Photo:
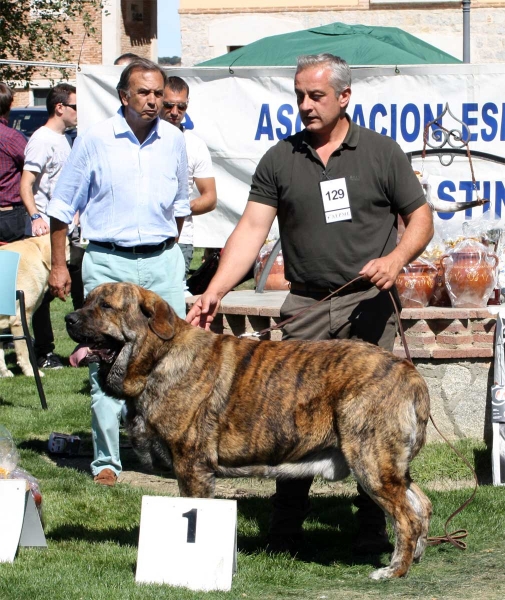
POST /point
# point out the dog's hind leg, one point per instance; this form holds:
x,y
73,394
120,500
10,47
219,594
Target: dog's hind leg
x,y
423,508
408,509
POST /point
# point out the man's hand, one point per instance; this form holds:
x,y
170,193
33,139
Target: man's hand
x,y
204,310
40,227
382,272
60,282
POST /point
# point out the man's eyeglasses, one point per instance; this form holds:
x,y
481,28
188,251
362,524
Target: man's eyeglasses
x,y
182,106
72,106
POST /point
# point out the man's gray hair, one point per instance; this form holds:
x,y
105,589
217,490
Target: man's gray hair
x,y
340,77
139,64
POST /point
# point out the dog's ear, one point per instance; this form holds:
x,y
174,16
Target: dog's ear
x,y
160,317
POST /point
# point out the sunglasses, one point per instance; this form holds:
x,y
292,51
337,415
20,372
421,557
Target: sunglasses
x,y
72,106
182,106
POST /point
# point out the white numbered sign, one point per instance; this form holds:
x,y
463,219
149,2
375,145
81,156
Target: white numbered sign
x,y
335,200
188,542
19,519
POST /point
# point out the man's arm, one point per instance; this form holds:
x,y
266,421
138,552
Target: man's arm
x,y
238,255
180,223
383,272
59,277
207,200
28,179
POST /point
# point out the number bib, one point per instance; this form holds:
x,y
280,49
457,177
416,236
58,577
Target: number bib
x,y
335,200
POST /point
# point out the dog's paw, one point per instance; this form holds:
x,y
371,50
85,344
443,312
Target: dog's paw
x,y
6,373
384,573
30,373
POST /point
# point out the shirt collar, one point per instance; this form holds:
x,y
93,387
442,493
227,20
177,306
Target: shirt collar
x,y
351,137
121,126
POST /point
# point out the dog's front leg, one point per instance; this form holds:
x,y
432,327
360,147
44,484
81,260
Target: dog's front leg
x,y
194,480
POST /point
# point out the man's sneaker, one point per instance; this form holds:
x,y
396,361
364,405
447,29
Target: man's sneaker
x,y
372,540
49,361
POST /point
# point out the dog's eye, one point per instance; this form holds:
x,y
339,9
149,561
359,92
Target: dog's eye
x,y
105,305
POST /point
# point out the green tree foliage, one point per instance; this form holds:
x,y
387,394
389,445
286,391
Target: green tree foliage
x,y
169,60
41,30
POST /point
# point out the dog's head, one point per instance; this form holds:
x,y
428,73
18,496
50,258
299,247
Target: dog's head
x,y
127,329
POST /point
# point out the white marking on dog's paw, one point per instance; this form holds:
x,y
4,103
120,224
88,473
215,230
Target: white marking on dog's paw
x,y
7,374
384,573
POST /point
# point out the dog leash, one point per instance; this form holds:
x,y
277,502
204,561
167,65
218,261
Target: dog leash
x,y
455,538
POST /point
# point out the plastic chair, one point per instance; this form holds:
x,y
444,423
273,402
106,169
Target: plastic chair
x,y
9,263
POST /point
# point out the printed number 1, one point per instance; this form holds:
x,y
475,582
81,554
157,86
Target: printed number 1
x,y
191,517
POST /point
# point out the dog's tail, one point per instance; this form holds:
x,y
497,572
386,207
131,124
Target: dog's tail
x,y
419,410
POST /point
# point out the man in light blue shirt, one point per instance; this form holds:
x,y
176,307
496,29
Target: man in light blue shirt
x,y
128,179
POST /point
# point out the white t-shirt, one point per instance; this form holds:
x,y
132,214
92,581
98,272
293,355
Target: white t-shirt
x,y
46,153
199,166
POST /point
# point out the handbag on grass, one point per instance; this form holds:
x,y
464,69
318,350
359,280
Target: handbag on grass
x,y
199,281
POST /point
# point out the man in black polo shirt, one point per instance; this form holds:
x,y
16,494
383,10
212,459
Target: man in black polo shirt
x,y
337,190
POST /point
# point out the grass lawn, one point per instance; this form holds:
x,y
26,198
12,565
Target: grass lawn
x,y
92,532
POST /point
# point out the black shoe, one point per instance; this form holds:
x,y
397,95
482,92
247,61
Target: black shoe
x,y
49,361
280,544
372,540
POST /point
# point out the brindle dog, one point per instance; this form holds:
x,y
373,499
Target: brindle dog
x,y
215,405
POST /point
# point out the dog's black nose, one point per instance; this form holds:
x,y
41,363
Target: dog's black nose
x,y
71,318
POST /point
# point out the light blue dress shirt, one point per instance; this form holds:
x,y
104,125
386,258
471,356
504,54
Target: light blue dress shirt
x,y
126,192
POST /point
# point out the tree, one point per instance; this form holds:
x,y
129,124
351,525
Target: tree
x,y
41,30
169,60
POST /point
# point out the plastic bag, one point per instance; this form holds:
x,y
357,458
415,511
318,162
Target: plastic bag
x,y
275,279
9,469
470,273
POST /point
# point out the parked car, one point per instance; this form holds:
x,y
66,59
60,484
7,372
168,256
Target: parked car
x,y
29,119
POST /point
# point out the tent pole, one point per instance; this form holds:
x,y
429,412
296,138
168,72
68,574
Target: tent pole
x,y
466,30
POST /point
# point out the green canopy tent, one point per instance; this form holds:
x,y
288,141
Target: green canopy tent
x,y
357,44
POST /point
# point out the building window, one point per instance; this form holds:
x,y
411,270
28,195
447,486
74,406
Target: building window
x,y
39,97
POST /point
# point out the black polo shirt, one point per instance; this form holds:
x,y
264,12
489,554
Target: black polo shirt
x,y
380,184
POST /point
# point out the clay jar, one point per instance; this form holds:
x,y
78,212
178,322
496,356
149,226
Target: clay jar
x,y
275,279
416,284
469,274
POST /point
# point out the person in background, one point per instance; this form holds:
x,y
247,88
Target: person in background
x,y
14,221
128,179
126,59
45,154
200,173
337,190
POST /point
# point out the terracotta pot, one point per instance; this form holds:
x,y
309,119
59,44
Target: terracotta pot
x,y
275,279
416,284
469,276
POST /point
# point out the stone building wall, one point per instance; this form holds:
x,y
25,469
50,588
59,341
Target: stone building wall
x,y
442,27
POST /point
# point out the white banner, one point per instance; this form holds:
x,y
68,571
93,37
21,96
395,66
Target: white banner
x,y
240,113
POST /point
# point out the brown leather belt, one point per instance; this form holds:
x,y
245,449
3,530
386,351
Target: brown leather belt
x,y
143,249
302,288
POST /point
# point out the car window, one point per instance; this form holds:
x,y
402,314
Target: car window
x,y
27,121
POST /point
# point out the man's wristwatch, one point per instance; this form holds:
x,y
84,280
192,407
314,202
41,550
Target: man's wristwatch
x,y
35,216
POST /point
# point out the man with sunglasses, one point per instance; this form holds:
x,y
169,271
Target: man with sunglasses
x,y
45,154
200,173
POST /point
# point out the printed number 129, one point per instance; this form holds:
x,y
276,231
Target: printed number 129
x,y
335,194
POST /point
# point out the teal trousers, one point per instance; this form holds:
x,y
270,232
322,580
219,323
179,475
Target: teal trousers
x,y
161,272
